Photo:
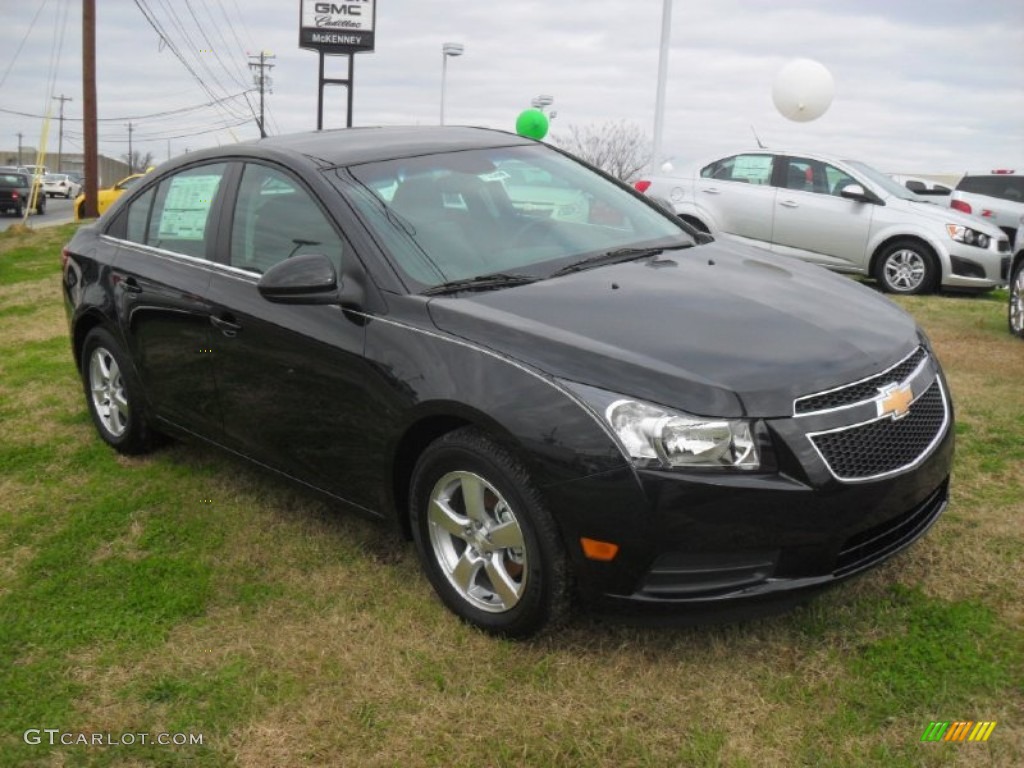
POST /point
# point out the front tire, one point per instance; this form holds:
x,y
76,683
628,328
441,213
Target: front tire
x,y
1015,314
908,267
113,395
486,541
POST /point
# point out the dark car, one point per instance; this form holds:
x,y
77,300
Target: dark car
x,y
607,408
16,192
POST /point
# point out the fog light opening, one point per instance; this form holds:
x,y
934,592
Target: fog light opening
x,y
604,551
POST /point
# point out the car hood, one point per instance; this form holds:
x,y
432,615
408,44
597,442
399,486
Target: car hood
x,y
721,329
945,215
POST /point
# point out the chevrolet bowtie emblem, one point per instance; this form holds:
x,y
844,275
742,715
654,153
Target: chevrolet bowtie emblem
x,y
894,400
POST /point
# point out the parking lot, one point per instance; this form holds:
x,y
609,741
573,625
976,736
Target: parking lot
x,y
58,211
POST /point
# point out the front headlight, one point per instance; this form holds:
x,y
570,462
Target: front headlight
x,y
969,236
655,436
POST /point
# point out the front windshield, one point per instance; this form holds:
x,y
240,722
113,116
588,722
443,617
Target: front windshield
x,y
522,210
887,183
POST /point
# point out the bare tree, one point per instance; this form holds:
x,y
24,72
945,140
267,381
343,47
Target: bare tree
x,y
620,148
137,161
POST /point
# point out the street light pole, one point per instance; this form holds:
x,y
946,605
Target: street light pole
x,y
659,102
448,49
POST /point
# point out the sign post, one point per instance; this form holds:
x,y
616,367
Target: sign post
x,y
337,29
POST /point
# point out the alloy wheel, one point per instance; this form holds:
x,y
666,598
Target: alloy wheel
x,y
905,270
108,392
477,541
1017,302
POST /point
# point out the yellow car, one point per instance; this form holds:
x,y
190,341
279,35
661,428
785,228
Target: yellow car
x,y
107,196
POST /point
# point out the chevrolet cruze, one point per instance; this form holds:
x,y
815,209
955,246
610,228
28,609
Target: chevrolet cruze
x,y
606,408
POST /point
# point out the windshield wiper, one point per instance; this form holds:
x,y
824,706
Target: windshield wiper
x,y
480,283
617,255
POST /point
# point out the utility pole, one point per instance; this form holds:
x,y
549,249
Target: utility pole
x,y
262,80
89,105
19,147
60,141
131,157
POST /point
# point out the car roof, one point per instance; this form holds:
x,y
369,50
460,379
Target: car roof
x,y
351,146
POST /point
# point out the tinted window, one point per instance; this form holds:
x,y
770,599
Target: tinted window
x,y
175,215
456,215
138,216
1003,187
13,180
751,169
275,219
808,175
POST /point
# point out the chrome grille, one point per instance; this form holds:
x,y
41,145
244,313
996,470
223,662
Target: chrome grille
x,y
861,390
885,445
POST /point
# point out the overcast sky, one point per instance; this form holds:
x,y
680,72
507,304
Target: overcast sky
x,y
920,85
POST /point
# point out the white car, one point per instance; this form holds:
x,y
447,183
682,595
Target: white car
x,y
60,185
997,197
840,214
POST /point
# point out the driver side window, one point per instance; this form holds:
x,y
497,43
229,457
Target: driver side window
x,y
276,219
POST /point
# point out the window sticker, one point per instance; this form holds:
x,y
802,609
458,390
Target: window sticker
x,y
187,206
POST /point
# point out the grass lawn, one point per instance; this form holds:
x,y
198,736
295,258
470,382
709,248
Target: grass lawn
x,y
185,593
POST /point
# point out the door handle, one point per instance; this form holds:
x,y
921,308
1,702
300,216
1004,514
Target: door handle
x,y
790,203
131,285
226,326
711,190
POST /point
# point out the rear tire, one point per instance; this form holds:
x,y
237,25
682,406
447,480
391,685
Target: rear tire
x,y
908,267
114,395
486,541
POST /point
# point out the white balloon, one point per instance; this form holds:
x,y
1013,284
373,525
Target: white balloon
x,y
803,90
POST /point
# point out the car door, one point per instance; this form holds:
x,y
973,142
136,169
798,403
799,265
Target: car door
x,y
161,273
813,221
737,194
292,378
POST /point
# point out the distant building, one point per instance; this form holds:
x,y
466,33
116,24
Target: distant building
x,y
110,170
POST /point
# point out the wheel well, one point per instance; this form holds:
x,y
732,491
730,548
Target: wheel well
x,y
873,266
82,328
413,443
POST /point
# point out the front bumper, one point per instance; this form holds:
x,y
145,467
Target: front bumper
x,y
970,267
694,545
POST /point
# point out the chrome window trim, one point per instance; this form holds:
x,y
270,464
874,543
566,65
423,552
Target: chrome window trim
x,y
206,264
939,435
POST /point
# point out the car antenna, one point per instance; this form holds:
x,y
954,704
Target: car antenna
x,y
757,139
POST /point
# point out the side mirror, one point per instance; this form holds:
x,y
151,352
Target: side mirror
x,y
306,279
858,194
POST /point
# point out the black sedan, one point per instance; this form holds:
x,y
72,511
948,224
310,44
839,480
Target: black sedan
x,y
577,399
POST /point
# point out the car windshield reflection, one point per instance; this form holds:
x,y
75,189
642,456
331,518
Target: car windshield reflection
x,y
460,215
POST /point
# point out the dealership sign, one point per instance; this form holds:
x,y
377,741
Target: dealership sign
x,y
338,27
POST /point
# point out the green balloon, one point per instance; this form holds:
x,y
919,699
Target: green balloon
x,y
532,123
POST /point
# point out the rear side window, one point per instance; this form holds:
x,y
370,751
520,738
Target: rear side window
x,y
751,169
1004,187
175,215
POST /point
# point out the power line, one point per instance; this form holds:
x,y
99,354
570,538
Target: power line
x,y
153,115
21,45
158,28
